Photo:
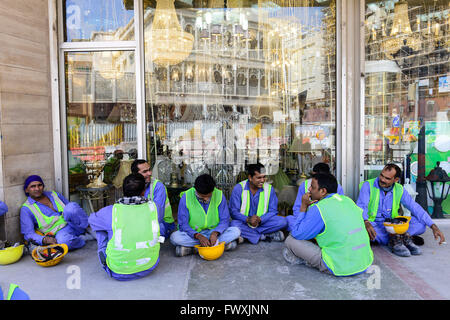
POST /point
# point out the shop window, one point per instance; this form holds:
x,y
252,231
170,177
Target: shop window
x,y
407,95
257,84
92,20
101,124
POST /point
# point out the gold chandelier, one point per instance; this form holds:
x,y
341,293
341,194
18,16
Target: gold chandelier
x,y
401,34
168,43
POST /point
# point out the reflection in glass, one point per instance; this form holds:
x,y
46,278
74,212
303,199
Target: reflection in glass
x,y
101,118
407,89
255,80
93,20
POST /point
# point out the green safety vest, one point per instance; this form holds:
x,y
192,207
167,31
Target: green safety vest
x,y
374,201
344,242
134,246
168,217
199,219
263,203
12,288
48,224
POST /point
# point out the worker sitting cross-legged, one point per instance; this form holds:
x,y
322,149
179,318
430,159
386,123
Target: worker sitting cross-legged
x,y
380,199
203,218
254,208
329,232
49,218
128,233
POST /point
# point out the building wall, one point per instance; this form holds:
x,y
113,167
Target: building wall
x,y
25,105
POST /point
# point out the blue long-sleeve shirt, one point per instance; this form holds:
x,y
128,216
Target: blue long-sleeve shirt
x,y
236,201
308,224
3,208
183,216
385,205
302,191
28,222
159,198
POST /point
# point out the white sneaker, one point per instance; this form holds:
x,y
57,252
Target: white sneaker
x,y
231,245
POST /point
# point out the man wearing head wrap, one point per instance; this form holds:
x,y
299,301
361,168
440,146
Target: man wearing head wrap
x,y
46,217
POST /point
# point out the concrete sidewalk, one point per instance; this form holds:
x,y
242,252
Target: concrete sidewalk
x,y
251,272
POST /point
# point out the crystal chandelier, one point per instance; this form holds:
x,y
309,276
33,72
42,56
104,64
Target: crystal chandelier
x,y
168,43
401,34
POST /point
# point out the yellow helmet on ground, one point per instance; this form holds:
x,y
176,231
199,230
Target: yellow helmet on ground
x,y
51,255
11,254
397,225
211,253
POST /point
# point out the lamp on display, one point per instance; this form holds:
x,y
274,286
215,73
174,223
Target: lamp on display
x,y
438,177
303,148
107,66
401,34
168,43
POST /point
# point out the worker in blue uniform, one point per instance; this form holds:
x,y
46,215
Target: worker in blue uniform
x,y
55,219
390,195
203,218
127,233
254,208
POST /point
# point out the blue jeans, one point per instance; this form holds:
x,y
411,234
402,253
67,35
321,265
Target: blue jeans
x,y
181,238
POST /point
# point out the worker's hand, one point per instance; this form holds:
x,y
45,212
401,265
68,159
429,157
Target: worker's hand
x,y
254,220
370,230
204,241
438,234
48,240
213,238
306,202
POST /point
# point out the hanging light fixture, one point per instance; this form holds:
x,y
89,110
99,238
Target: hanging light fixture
x,y
168,43
401,33
107,64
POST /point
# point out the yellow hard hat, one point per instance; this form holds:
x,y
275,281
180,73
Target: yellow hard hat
x,y
11,254
398,225
211,253
51,255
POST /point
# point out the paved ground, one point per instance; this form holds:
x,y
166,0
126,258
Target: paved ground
x,y
248,273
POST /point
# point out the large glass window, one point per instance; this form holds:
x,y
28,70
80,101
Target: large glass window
x,y
94,20
230,83
101,122
407,94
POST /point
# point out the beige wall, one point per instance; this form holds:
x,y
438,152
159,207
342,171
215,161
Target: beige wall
x,y
25,105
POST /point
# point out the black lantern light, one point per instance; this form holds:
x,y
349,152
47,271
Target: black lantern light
x,y
438,177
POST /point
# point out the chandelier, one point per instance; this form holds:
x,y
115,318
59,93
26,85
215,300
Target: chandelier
x,y
168,43
107,64
401,34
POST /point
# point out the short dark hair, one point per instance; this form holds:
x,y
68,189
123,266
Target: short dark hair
x,y
326,181
321,167
253,168
134,165
133,185
398,171
204,184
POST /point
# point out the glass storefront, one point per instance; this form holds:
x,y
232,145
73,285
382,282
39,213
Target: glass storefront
x,y
101,120
227,83
407,93
239,82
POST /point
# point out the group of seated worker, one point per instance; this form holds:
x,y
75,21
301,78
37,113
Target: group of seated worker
x,y
327,230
